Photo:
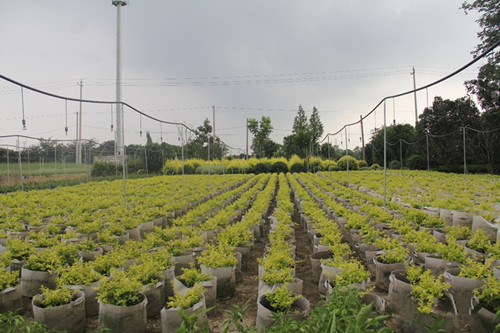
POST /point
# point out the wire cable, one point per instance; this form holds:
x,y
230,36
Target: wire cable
x,y
470,63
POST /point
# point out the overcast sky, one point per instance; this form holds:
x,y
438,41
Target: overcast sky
x,y
247,58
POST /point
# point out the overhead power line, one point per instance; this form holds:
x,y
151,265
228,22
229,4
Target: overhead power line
x,y
461,69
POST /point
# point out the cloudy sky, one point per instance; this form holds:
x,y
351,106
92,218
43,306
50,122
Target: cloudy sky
x,y
247,58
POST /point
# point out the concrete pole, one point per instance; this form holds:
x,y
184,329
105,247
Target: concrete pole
x,y
120,150
79,150
362,138
415,96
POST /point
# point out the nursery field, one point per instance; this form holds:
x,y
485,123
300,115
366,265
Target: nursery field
x,y
245,253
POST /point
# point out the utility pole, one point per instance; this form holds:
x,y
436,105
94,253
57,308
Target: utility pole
x,y
415,96
120,149
362,138
79,144
76,139
246,155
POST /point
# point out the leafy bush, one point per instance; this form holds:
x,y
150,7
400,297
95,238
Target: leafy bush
x,y
279,167
192,276
342,163
78,274
134,165
192,296
44,261
297,167
282,299
425,288
119,290
10,322
376,166
362,164
218,256
262,167
56,297
104,169
394,165
489,293
416,162
8,279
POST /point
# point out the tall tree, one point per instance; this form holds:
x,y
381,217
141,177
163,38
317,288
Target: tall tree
x,y
299,141
316,128
261,144
486,86
443,122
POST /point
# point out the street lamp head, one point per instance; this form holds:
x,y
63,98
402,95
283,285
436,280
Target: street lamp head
x,y
119,2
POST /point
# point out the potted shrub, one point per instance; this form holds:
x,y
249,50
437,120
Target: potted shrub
x,y
88,250
449,255
392,257
18,252
352,275
188,304
40,269
193,276
180,255
486,305
283,301
10,291
60,309
478,246
149,274
220,261
464,280
122,306
83,277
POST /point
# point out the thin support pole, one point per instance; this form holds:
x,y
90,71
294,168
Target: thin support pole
x,y
465,156
401,153
329,168
20,165
427,144
347,157
385,155
8,166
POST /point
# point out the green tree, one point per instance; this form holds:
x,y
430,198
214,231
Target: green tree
x,y
486,86
395,133
443,122
316,128
299,141
262,146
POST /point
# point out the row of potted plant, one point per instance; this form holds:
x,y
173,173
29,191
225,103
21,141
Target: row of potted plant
x,y
424,241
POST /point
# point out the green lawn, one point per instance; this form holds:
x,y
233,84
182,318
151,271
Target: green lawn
x,y
34,169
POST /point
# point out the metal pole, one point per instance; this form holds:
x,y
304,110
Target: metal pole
x,y
401,153
146,159
347,157
79,157
20,165
120,148
8,166
329,168
427,143
246,155
385,156
362,138
465,156
55,158
76,139
415,96
29,165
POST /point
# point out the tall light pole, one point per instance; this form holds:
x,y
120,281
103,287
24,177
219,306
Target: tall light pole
x,y
415,96
120,151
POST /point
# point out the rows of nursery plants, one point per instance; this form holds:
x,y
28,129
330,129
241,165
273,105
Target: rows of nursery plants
x,y
424,267
183,243
478,194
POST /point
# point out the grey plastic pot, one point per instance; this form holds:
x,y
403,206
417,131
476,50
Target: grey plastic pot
x,y
31,281
123,319
11,299
171,319
265,313
68,317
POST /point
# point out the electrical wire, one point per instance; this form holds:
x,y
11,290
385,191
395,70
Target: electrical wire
x,y
470,63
